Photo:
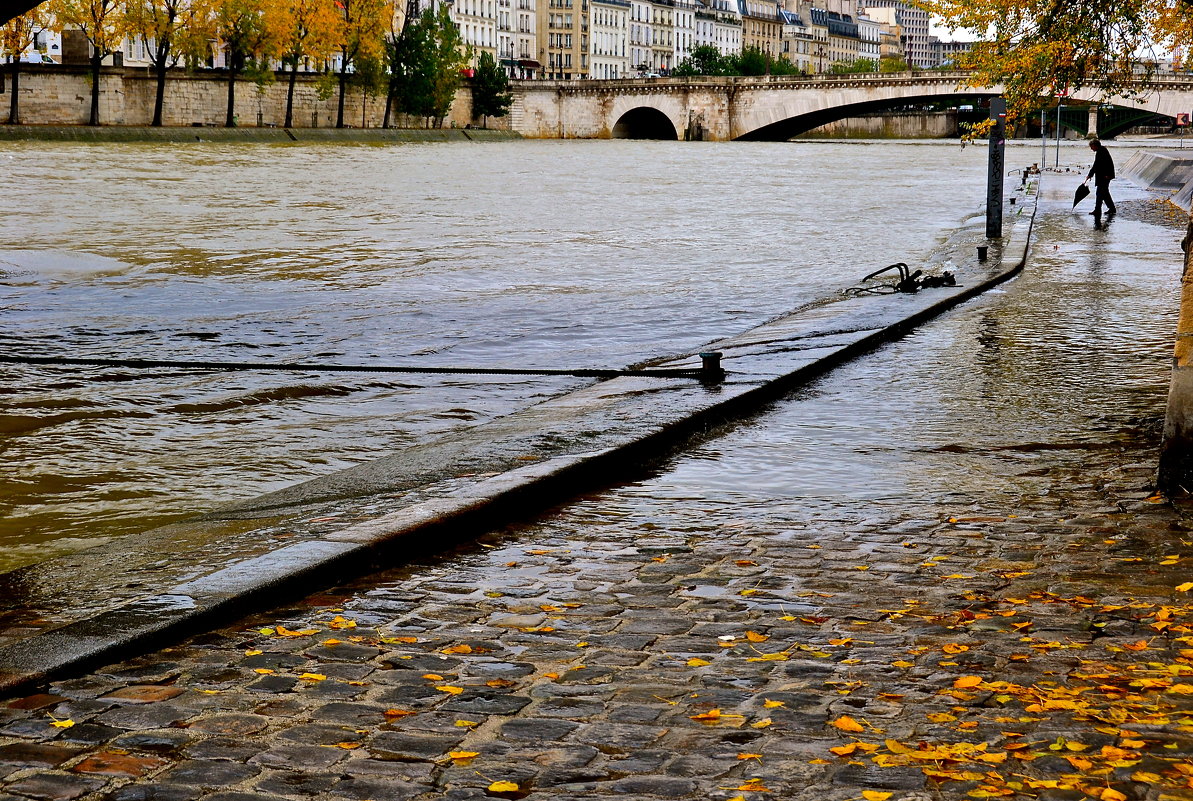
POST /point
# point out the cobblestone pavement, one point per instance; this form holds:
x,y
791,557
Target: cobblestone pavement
x,y
1026,638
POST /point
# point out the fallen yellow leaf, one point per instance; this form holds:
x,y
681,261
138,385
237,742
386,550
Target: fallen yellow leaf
x,y
874,795
846,723
447,688
503,787
968,681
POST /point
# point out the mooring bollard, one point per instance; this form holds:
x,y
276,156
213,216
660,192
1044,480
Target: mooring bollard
x,y
710,366
982,251
1012,201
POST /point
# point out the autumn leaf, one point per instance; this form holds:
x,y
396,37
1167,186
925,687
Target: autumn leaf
x,y
263,671
846,723
458,649
1188,585
285,632
312,676
397,714
348,746
432,677
769,704
968,681
500,683
63,724
874,795
463,757
762,724
744,756
503,787
754,636
253,652
955,648
695,662
466,724
450,689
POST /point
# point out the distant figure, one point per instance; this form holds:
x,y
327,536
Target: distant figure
x,y
1102,172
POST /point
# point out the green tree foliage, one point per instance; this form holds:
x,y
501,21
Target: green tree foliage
x,y
703,60
425,65
892,64
858,65
490,89
754,61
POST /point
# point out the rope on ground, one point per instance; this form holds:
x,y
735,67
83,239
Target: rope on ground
x,y
141,364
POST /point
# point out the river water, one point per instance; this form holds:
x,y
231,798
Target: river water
x,y
522,254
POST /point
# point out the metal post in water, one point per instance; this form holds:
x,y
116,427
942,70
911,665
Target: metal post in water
x,y
998,142
710,366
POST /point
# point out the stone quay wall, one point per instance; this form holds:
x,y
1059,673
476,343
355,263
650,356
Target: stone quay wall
x,y
61,95
891,125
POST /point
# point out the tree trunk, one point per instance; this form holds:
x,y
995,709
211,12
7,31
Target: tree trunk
x,y
343,87
290,96
14,111
230,119
389,104
159,99
95,60
1175,474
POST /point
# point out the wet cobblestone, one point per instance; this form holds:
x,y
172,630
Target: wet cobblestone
x,y
577,667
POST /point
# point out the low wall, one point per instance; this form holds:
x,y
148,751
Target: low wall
x,y
1162,171
892,125
61,95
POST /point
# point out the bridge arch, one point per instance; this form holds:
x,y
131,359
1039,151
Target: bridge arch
x,y
644,122
803,121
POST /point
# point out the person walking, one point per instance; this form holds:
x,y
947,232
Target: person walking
x,y
1102,172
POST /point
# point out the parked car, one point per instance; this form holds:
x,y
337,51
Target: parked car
x,y
38,58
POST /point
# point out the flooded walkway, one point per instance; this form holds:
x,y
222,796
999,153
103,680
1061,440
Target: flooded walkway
x,y
939,572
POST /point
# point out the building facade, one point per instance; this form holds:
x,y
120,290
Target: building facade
x,y
609,51
913,26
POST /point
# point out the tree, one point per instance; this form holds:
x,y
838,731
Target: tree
x,y
248,30
16,36
426,62
490,89
101,24
858,65
703,59
361,36
163,25
1036,47
892,64
309,30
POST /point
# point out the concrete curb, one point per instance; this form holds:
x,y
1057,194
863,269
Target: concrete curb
x,y
641,420
246,135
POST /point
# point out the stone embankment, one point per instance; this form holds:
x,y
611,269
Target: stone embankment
x,y
1163,171
144,133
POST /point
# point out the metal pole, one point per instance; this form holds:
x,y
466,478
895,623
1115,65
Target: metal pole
x,y
1059,102
1043,140
998,113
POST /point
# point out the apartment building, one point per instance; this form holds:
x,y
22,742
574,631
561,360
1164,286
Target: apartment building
x,y
869,39
761,26
913,25
718,24
640,35
517,42
609,51
477,21
662,40
563,38
685,30
795,45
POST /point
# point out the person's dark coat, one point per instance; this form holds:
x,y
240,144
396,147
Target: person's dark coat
x,y
1103,169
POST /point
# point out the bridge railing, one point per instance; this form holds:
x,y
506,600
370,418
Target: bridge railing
x,y
911,76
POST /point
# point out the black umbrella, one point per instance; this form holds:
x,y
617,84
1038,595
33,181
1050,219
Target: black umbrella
x,y
1080,194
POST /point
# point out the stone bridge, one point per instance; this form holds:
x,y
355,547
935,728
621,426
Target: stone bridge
x,y
770,107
